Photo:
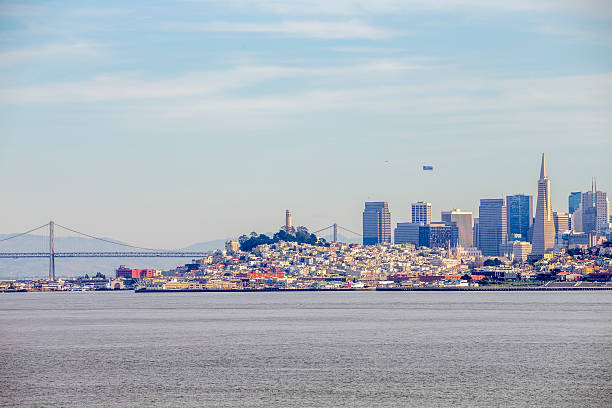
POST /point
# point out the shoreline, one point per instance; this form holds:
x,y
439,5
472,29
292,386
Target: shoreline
x,y
268,290
449,289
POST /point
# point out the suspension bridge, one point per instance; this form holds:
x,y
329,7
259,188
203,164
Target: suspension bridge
x,y
52,254
334,227
131,251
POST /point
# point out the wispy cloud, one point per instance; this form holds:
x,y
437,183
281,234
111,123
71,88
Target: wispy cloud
x,y
313,29
88,49
591,35
133,87
594,8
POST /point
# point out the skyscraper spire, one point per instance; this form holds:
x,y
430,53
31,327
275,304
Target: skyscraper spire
x,y
543,239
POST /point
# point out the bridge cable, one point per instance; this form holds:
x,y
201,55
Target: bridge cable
x,y
113,242
322,229
24,233
348,230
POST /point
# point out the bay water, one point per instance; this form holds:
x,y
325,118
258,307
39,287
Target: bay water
x,y
307,349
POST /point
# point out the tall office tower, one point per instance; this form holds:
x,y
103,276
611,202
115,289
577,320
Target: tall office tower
x,y
421,213
406,233
544,225
520,216
376,223
463,221
595,210
475,232
492,227
573,201
562,223
438,235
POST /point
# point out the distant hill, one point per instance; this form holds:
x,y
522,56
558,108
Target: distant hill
x,y
38,268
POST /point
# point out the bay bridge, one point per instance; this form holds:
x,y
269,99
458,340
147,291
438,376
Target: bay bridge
x,y
133,252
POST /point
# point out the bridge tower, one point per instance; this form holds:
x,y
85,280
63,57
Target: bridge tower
x,y
51,251
335,232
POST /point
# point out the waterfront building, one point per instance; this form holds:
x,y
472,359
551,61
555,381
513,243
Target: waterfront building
x,y
406,233
421,212
142,273
520,216
475,233
123,272
376,223
544,225
562,223
574,200
492,227
463,222
438,235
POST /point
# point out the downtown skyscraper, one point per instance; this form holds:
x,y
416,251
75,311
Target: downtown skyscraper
x,y
492,226
573,201
421,213
595,210
544,226
376,223
520,216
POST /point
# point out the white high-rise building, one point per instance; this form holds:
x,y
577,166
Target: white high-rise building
x,y
463,221
544,226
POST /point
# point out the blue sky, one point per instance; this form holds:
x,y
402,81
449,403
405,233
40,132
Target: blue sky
x,y
163,123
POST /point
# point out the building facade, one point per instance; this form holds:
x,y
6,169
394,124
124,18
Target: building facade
x,y
544,226
492,227
595,211
438,235
562,223
376,223
406,233
520,216
463,222
520,250
573,201
421,212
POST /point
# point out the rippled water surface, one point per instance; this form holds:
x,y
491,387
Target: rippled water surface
x,y
306,349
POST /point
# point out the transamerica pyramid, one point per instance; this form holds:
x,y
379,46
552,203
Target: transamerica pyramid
x,y
544,226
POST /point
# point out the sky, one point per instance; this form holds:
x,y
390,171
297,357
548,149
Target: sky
x,y
164,123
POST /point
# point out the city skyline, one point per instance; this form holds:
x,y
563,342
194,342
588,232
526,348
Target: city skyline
x,y
402,219
167,123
